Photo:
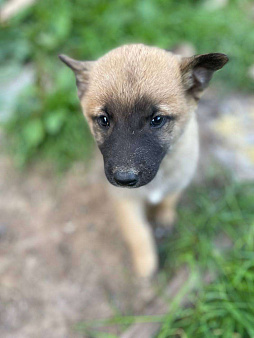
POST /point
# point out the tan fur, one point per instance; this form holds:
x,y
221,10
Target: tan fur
x,y
137,234
164,213
134,72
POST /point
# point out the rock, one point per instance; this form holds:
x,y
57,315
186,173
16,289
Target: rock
x,y
226,130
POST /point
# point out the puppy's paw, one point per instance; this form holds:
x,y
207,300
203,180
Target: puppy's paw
x,y
166,218
146,265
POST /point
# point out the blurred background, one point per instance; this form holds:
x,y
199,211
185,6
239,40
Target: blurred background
x,y
64,267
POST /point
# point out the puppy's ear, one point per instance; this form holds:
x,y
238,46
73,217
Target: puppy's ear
x,y
81,70
197,71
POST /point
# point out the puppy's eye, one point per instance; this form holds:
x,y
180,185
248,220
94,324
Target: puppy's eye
x,y
103,121
157,121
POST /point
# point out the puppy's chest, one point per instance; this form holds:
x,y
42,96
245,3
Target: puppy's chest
x,y
172,177
166,181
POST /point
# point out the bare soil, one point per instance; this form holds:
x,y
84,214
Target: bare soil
x,y
62,259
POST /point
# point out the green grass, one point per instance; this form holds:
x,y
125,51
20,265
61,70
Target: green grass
x,y
47,121
214,236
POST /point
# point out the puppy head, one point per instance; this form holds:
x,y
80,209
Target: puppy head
x,y
137,101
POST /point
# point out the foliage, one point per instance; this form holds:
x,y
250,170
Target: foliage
x,y
214,237
47,119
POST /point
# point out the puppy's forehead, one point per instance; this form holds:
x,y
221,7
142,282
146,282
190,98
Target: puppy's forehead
x,y
129,73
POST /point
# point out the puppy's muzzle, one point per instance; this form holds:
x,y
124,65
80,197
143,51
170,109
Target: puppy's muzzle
x,y
125,178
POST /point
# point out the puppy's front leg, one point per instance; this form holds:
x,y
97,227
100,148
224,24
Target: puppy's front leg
x,y
164,214
138,235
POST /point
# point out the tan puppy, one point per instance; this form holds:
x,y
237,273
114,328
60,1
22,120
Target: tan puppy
x,y
140,104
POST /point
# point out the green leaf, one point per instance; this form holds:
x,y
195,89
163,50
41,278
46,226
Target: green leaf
x,y
33,132
54,121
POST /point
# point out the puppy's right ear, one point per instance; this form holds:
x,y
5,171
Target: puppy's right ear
x,y
81,70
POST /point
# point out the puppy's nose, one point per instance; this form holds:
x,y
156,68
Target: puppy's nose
x,y
126,178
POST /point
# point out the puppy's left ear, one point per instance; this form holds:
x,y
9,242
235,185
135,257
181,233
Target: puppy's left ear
x,y
81,70
197,71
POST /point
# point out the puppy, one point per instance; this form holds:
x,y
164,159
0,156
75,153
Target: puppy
x,y
140,102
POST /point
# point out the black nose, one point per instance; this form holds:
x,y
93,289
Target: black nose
x,y
126,178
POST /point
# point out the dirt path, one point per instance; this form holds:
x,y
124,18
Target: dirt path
x,y
62,259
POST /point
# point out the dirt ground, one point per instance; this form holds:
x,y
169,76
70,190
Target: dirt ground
x,y
62,258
